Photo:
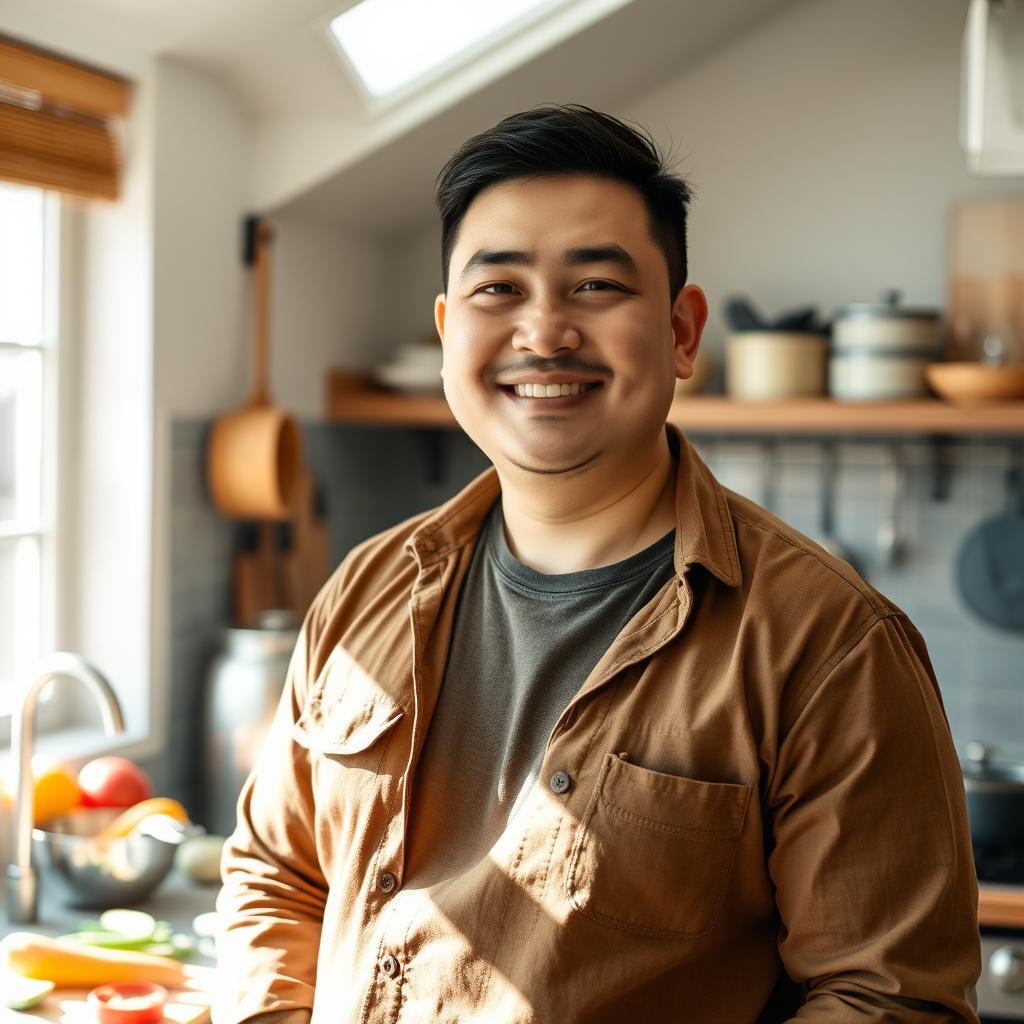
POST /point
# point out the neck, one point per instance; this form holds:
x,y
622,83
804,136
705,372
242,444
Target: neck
x,y
603,515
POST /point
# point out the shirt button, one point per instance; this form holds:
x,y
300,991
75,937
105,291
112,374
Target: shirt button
x,y
390,966
387,882
560,782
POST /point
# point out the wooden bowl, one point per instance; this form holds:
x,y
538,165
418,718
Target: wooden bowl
x,y
976,383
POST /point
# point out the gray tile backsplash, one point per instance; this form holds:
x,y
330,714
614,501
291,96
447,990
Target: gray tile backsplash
x,y
375,477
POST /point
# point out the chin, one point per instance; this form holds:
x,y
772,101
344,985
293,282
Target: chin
x,y
563,458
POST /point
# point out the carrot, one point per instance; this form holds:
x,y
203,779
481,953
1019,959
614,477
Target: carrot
x,y
72,964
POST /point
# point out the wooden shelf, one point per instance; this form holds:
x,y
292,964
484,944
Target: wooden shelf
x,y
1001,907
352,398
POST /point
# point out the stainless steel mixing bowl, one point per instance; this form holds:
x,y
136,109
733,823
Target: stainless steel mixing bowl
x,y
88,871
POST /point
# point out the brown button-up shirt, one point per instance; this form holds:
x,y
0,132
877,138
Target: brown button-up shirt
x,y
752,810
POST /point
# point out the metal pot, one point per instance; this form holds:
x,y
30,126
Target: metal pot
x,y
243,689
886,328
995,799
880,350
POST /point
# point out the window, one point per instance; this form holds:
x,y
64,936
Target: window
x,y
29,227
394,44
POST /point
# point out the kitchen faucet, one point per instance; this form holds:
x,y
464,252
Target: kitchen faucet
x,y
22,888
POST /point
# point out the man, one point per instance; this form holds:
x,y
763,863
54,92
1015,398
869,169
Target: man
x,y
597,740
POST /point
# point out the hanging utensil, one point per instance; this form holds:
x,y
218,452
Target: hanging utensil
x,y
255,454
829,541
990,562
769,473
892,544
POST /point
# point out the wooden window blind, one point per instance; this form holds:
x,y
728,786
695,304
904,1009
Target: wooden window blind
x,y
59,122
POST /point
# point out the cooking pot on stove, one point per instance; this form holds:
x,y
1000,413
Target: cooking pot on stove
x,y
995,799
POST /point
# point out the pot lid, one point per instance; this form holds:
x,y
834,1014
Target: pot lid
x,y
981,764
887,308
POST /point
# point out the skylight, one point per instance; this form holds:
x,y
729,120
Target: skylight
x,y
392,43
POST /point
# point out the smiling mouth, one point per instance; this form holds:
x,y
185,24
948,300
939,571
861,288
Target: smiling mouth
x,y
549,392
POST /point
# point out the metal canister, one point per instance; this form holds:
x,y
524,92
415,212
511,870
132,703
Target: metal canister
x,y
244,686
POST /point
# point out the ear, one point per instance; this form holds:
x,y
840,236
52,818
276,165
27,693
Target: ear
x,y
439,309
689,315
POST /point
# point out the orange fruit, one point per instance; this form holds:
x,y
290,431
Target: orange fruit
x,y
54,789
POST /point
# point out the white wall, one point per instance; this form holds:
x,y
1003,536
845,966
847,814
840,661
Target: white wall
x,y
419,267
200,166
333,295
824,150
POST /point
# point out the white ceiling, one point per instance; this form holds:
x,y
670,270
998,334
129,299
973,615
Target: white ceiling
x,y
605,65
274,57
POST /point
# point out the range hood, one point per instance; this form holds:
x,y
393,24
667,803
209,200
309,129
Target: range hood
x,y
992,88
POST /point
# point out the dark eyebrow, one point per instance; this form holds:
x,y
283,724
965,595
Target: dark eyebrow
x,y
610,253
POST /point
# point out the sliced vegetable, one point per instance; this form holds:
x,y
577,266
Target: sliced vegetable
x,y
132,924
160,949
159,941
184,945
109,940
18,993
74,963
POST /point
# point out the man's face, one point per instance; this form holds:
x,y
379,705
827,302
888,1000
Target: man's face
x,y
557,280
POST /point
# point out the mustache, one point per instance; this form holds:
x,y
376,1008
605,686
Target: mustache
x,y
564,364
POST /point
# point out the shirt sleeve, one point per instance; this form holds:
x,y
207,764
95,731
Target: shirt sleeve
x,y
870,850
272,900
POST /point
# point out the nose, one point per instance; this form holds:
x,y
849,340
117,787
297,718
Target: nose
x,y
545,329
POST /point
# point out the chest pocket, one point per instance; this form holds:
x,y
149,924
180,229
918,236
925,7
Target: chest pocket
x,y
655,852
346,714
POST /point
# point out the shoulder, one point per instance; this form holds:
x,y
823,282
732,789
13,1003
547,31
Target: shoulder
x,y
777,561
808,608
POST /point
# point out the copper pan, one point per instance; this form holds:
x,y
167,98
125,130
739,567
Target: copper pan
x,y
255,454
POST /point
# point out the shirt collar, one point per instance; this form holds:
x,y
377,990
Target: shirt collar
x,y
705,532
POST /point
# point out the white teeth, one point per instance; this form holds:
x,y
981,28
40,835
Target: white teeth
x,y
548,390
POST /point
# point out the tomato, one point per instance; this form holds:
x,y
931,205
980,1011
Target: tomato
x,y
128,1002
113,782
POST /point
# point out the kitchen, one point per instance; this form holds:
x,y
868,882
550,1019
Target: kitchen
x,y
824,144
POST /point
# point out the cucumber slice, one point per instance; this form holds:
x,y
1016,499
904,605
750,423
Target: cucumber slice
x,y
207,924
109,940
159,949
18,993
133,924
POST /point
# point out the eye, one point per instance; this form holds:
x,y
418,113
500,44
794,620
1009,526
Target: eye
x,y
486,289
600,286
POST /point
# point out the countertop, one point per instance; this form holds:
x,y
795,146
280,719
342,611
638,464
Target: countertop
x,y
177,900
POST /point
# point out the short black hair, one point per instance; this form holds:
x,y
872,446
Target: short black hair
x,y
557,139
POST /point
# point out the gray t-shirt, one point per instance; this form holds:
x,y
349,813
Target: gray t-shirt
x,y
523,644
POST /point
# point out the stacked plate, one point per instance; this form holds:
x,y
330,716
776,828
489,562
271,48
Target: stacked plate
x,y
415,369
